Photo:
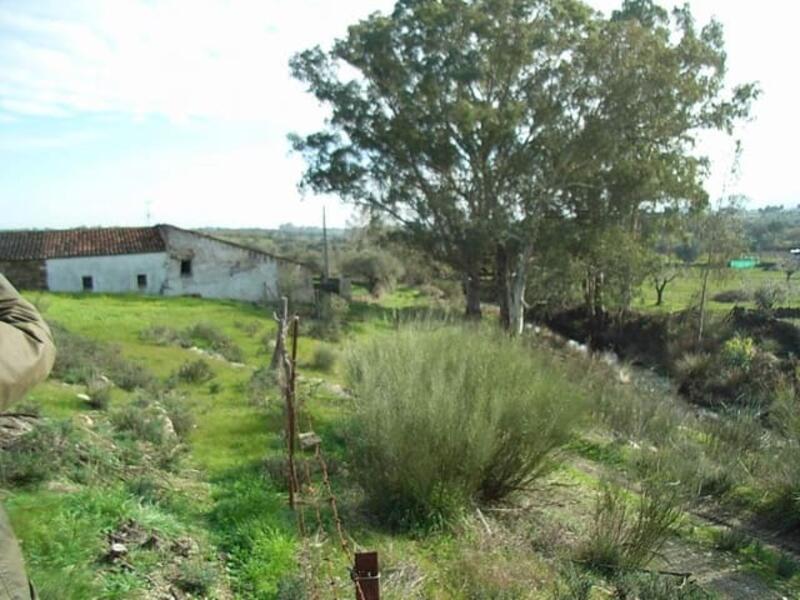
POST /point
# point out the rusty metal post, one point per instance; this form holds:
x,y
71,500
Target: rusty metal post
x,y
366,576
291,421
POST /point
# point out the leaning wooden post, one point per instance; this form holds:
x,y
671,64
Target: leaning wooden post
x,y
290,374
366,576
280,337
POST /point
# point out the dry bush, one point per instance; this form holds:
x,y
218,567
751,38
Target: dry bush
x,y
448,416
629,533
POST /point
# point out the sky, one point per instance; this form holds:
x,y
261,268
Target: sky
x,y
134,112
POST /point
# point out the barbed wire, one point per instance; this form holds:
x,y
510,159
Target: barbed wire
x,y
309,492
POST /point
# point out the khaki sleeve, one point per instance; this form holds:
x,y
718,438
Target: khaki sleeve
x,y
27,351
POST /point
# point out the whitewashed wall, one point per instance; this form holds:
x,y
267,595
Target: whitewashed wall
x,y
110,274
221,270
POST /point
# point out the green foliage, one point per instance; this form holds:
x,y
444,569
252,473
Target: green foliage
x,y
202,334
378,268
99,393
573,584
732,296
443,417
629,534
768,297
333,311
46,451
653,586
731,540
324,358
196,577
195,371
739,352
81,360
211,337
262,382
462,115
162,335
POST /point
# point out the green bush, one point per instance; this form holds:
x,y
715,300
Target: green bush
x,y
203,335
731,539
262,382
629,534
161,335
195,371
333,311
99,393
732,296
81,360
324,358
196,577
52,449
444,417
739,352
160,420
379,269
211,337
768,297
654,586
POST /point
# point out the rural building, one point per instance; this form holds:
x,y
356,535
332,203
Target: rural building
x,y
160,260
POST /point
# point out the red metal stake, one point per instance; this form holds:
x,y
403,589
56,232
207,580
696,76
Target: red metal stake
x,y
366,576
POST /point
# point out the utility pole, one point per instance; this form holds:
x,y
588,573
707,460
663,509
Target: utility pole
x,y
326,273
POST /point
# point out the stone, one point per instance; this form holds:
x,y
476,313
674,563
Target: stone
x,y
309,440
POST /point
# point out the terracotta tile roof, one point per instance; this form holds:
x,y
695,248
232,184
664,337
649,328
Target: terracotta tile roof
x,y
37,245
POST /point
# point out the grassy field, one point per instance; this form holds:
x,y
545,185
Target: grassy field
x,y
685,290
207,517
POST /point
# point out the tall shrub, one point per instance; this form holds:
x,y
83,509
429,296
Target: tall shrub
x,y
447,416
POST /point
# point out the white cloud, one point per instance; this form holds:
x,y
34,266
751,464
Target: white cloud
x,y
176,58
226,60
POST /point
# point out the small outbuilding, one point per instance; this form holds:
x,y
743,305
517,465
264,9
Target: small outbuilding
x,y
159,260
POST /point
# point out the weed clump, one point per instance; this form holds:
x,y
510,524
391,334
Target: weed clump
x,y
203,335
50,450
196,371
82,360
732,296
213,338
629,534
324,359
261,383
99,393
445,417
331,319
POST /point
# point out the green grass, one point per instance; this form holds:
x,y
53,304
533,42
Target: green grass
x,y
685,290
222,495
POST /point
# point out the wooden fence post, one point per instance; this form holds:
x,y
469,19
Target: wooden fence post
x,y
366,576
291,420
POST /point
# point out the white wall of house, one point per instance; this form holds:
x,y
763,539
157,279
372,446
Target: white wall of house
x,y
220,270
110,274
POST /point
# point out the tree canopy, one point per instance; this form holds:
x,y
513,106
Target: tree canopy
x,y
474,124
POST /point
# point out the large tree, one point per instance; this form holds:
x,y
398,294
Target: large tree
x,y
653,82
477,123
448,122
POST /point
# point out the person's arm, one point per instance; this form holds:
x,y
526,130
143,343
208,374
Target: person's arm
x,y
27,351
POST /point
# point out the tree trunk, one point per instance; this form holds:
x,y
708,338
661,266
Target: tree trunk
x,y
660,293
596,309
501,285
703,292
472,289
517,283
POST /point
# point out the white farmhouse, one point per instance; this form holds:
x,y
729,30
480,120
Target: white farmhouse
x,y
160,260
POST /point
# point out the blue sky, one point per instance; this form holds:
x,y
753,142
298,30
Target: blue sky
x,y
113,110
